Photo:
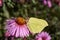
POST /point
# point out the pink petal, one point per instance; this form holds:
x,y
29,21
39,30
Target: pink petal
x,y
13,31
39,38
21,32
6,27
17,32
9,26
12,24
26,31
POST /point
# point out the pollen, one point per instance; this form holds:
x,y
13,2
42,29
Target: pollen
x,y
20,20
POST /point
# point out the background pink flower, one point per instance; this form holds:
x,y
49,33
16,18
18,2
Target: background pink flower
x,y
45,2
49,3
1,3
43,36
7,34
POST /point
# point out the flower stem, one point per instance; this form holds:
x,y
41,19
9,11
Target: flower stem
x,y
35,11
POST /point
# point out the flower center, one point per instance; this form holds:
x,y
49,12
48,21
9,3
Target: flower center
x,y
20,20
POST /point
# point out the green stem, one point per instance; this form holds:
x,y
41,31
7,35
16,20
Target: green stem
x,y
26,13
22,13
25,10
35,11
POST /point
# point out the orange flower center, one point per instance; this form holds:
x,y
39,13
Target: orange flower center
x,y
20,20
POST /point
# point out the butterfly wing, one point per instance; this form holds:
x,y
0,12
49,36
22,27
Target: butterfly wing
x,y
36,25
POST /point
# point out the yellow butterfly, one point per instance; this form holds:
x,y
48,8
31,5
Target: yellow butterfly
x,y
36,25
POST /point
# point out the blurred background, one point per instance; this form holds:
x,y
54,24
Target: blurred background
x,y
44,9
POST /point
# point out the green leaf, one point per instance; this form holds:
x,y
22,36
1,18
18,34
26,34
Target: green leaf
x,y
0,33
6,13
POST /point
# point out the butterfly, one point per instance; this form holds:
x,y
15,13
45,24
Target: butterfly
x,y
36,25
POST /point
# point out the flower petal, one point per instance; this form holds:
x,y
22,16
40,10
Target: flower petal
x,y
17,32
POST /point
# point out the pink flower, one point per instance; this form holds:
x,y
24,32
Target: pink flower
x,y
49,3
43,36
59,3
1,3
45,2
17,27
